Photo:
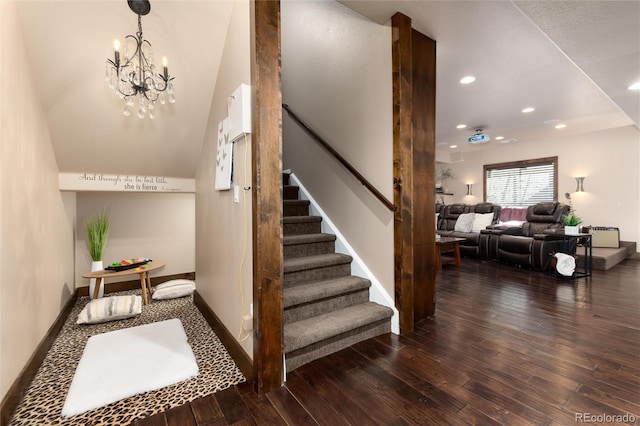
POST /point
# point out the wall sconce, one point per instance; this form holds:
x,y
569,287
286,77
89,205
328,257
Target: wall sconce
x,y
469,189
580,182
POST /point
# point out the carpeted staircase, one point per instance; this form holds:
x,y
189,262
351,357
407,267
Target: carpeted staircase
x,y
326,309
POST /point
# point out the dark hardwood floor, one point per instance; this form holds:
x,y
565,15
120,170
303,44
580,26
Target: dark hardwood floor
x,y
507,346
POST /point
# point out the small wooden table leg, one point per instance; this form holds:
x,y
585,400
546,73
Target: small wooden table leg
x,y
143,287
456,254
96,289
148,283
438,259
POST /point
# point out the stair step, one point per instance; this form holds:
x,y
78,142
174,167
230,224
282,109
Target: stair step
x,y
290,192
296,225
285,178
308,300
308,245
319,336
301,270
295,207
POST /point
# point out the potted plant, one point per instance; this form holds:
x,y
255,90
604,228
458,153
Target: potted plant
x,y
97,229
571,224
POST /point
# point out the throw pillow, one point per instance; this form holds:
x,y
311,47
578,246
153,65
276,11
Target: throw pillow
x,y
110,309
437,218
481,221
464,222
174,288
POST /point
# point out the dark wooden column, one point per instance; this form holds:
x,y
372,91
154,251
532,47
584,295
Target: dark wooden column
x,y
424,125
403,170
266,149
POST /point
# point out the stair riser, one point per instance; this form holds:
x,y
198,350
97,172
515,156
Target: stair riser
x,y
301,228
296,209
323,348
290,192
309,275
308,310
309,249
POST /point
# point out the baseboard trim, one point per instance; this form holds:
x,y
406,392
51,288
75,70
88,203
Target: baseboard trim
x,y
228,340
23,381
134,284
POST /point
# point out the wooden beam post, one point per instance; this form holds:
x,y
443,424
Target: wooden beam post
x,y
403,170
424,135
266,143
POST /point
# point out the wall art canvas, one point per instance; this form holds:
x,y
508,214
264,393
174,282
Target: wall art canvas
x,y
224,157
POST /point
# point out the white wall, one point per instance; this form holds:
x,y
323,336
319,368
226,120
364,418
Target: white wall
x,y
36,220
336,75
223,243
608,159
159,226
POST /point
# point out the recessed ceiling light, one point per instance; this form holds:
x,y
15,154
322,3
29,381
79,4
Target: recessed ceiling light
x,y
499,138
441,143
635,86
453,146
561,126
510,140
461,126
528,109
468,79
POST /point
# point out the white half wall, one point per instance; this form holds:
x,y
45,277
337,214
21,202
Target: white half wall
x,y
608,159
336,75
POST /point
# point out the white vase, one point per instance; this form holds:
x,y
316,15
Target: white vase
x,y
572,230
96,265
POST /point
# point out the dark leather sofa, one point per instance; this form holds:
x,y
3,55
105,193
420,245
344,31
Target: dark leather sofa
x,y
447,220
530,245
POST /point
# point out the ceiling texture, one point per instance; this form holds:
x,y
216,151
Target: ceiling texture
x,y
570,60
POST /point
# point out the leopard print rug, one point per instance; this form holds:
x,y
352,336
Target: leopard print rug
x,y
43,401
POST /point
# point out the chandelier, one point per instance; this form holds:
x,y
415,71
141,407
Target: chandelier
x,y
134,75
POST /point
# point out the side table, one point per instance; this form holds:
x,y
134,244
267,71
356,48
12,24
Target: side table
x,y
577,240
145,280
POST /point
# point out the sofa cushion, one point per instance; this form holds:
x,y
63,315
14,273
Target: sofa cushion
x,y
470,238
484,208
464,222
457,208
510,214
481,221
544,208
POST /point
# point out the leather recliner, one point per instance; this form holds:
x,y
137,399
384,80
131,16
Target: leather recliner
x,y
447,221
530,245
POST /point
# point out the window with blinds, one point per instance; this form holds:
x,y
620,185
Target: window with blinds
x,y
521,183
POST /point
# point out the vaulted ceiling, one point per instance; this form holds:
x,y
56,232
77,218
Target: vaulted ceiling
x,y
570,60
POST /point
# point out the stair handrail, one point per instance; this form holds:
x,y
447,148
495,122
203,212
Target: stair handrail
x,y
388,204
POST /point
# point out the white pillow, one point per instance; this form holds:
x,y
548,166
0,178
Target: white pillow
x,y
464,222
481,221
174,288
437,217
110,309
